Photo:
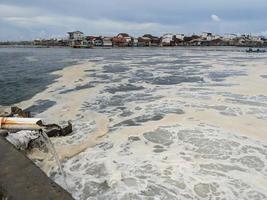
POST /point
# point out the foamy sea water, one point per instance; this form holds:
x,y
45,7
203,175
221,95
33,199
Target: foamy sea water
x,y
160,124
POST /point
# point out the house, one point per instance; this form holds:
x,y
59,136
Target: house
x,y
77,39
195,41
229,36
241,41
94,41
206,36
135,42
90,40
179,36
144,42
256,39
192,40
178,40
229,39
45,42
246,40
107,41
264,42
37,42
76,35
119,42
126,36
204,42
122,40
215,37
217,42
98,42
155,41
167,39
62,42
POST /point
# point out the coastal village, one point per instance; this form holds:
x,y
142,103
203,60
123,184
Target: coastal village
x,y
78,39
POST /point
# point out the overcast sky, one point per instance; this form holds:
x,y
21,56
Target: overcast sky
x,y
31,19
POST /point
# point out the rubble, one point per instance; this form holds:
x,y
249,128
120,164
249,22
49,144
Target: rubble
x,y
22,139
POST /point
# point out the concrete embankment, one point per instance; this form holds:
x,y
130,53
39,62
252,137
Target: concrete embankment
x,y
20,178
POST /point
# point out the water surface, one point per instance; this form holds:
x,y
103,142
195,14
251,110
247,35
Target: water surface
x,y
158,123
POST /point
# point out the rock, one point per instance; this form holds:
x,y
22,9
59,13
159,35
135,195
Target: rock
x,y
3,133
22,139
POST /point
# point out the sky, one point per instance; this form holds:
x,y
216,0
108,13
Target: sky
x,y
35,19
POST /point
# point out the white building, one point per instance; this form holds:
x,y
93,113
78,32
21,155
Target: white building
x,y
167,39
229,36
76,35
214,37
77,39
107,41
126,36
180,36
135,42
207,36
255,39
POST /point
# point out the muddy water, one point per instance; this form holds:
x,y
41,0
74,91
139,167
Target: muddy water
x,y
161,124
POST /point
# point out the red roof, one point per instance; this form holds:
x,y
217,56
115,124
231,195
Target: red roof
x,y
118,40
90,37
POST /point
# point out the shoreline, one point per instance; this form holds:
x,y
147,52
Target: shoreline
x,y
211,48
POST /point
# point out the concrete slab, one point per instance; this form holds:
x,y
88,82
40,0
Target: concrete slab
x,y
20,178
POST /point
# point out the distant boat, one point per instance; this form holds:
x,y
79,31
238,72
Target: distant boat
x,y
250,50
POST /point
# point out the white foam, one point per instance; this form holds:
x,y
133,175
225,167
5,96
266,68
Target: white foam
x,y
218,146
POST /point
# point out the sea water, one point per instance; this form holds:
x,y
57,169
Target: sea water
x,y
152,123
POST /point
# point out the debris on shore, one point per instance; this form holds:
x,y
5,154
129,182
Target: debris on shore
x,y
24,131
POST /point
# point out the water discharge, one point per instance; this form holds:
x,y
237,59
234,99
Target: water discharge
x,y
53,151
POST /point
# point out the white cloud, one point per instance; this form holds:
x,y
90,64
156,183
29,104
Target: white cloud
x,y
215,18
94,26
17,11
34,18
30,21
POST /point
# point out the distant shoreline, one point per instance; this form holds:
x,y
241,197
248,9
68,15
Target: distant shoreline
x,y
199,48
31,46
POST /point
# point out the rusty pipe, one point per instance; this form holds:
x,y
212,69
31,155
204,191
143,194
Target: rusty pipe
x,y
15,123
